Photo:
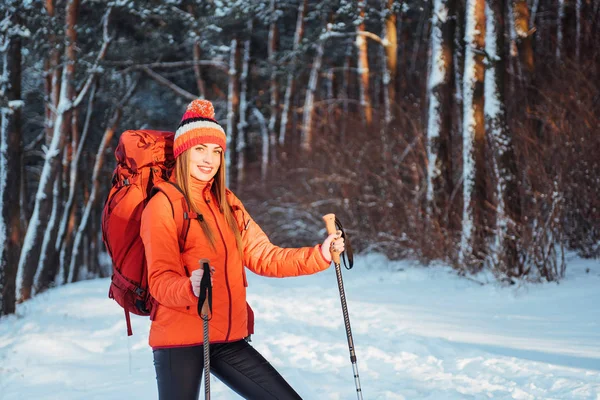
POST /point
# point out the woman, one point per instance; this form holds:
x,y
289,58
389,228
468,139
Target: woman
x,y
226,235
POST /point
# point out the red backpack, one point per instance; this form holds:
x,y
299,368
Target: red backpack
x,y
144,160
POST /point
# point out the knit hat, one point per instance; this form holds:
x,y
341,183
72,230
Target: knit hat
x,y
198,126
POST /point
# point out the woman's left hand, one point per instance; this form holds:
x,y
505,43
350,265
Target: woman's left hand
x,y
333,244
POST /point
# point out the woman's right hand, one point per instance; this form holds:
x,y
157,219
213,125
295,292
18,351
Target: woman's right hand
x,y
196,278
333,244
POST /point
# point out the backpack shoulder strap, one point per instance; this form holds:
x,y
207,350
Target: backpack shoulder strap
x,y
177,201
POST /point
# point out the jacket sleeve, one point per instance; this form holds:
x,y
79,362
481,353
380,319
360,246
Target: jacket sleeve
x,y
167,281
264,258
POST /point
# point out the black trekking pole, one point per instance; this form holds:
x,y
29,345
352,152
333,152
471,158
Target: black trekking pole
x,y
205,311
330,224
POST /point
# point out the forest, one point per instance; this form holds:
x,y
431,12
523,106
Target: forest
x,y
459,131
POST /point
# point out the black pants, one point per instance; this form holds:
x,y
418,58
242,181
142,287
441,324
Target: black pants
x,y
237,364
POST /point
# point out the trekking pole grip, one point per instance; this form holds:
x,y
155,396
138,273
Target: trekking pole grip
x,y
205,300
330,226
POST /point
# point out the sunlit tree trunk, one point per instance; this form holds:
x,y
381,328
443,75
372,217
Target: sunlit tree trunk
x,y
389,56
10,160
524,35
391,50
472,249
363,66
290,84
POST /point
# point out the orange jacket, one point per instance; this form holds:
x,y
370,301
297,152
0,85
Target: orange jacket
x,y
176,322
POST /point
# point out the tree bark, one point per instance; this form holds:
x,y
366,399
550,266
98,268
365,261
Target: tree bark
x,y
197,71
233,111
274,86
10,166
309,100
363,66
264,134
52,72
289,90
391,49
30,253
524,35
242,138
64,238
508,209
472,250
74,266
441,105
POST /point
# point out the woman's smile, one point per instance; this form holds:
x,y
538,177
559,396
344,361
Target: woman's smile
x,y
205,169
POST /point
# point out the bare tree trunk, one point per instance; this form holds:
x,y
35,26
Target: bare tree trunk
x,y
10,163
240,147
306,140
363,65
64,237
441,105
524,35
459,63
389,50
53,74
578,7
274,86
289,90
560,28
197,71
47,264
473,249
264,131
233,111
73,275
30,253
419,37
508,209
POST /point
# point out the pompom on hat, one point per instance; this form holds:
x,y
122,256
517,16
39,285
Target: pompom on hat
x,y
198,126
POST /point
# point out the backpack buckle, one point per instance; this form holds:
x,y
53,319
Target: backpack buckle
x,y
139,291
190,215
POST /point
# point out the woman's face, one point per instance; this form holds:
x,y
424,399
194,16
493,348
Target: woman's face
x,y
205,160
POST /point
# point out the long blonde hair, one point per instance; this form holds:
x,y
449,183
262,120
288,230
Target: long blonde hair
x,y
183,179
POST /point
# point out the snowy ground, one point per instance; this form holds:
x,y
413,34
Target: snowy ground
x,y
420,333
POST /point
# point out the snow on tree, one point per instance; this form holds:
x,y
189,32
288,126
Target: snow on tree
x,y
473,244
